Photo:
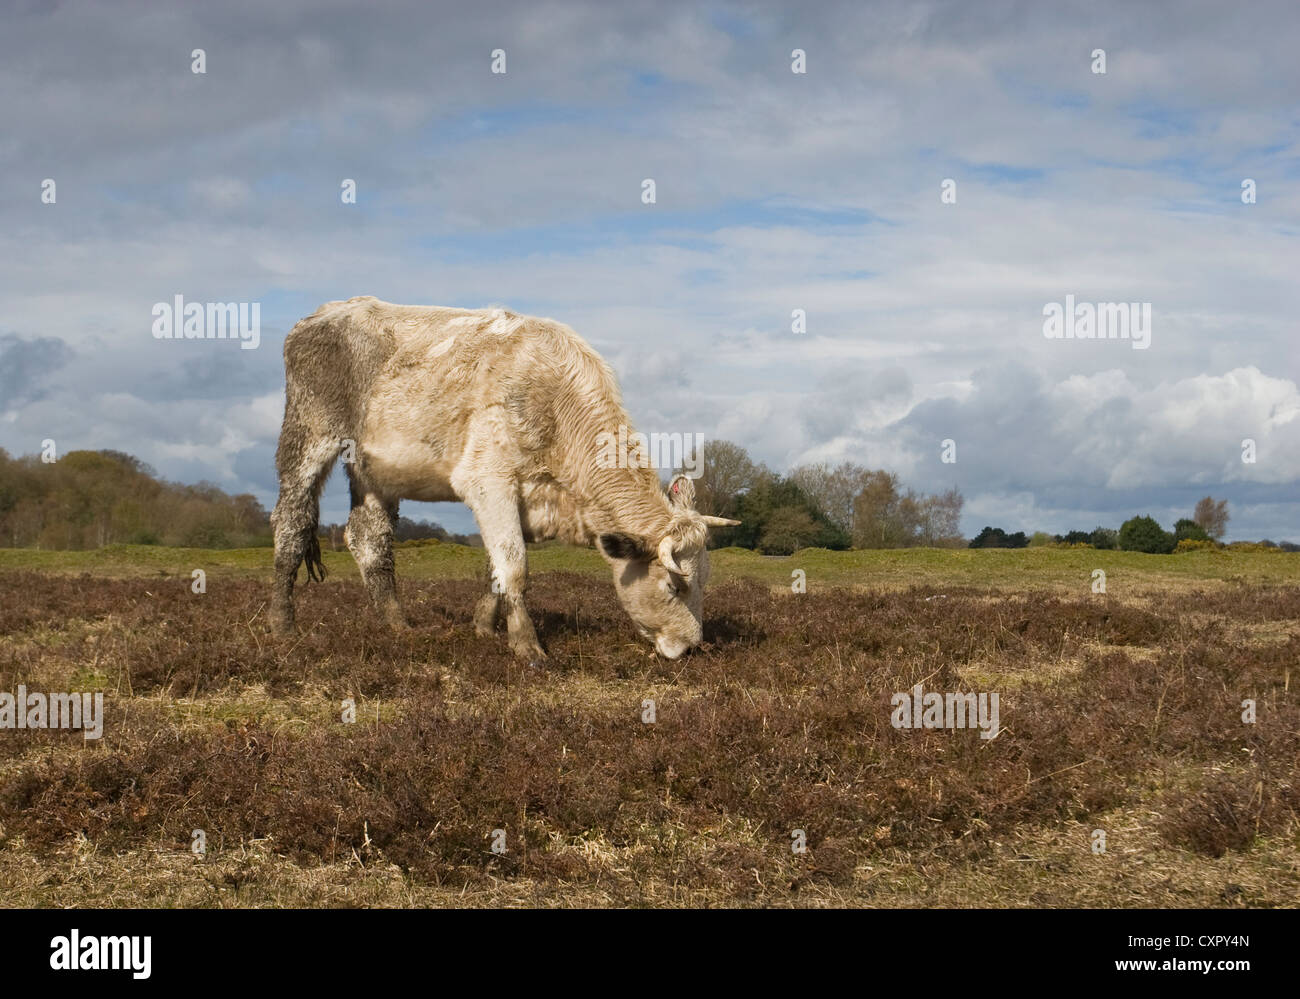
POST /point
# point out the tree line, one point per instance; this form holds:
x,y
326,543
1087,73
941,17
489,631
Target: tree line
x,y
88,499
820,506
1203,529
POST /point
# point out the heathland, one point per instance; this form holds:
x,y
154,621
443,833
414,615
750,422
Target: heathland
x,y
1127,770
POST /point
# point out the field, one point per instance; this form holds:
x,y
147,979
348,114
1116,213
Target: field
x,y
1119,711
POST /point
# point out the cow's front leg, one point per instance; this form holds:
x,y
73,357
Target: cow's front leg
x,y
497,512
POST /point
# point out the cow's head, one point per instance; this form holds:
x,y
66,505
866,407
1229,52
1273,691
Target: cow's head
x,y
660,581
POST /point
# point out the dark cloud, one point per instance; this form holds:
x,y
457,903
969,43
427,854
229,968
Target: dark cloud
x,y
255,466
26,366
854,394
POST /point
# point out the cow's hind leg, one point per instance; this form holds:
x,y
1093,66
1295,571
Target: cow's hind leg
x,y
487,614
369,536
496,508
303,466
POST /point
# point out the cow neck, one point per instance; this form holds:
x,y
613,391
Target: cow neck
x,y
624,496
626,501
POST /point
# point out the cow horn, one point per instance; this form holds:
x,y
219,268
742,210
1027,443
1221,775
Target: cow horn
x,y
666,555
718,521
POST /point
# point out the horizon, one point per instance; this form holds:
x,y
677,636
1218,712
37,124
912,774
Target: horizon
x,y
1010,530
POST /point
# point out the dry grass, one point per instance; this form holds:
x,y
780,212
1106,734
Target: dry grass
x,y
1117,714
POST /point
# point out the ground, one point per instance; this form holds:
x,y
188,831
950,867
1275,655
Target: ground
x,y
1120,712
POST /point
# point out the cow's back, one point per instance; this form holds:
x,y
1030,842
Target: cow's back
x,y
409,384
331,361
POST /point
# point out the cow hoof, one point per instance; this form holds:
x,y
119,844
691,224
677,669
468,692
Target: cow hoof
x,y
533,654
487,614
279,617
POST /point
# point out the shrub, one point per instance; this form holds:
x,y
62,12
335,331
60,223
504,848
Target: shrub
x,y
1189,530
1250,546
1143,534
1105,539
787,530
205,535
1194,545
995,537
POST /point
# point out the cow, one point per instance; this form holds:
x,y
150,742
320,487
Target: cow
x,y
503,412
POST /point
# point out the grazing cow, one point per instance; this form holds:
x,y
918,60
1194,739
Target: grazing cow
x,y
503,412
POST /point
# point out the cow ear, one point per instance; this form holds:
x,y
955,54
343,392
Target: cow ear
x,y
622,546
681,492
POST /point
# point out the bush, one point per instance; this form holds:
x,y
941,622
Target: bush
x,y
1194,545
995,537
1040,539
1143,534
1189,530
1074,538
777,517
787,530
205,536
1105,539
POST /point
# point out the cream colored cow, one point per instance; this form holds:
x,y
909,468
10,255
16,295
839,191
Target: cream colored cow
x,y
502,412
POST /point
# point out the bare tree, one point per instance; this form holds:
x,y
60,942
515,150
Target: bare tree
x,y
1212,516
833,490
727,469
885,516
941,520
882,516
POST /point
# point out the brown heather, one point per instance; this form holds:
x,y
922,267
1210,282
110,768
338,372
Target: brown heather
x,y
1121,716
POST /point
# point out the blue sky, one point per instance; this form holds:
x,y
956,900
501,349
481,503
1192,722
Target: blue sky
x,y
775,191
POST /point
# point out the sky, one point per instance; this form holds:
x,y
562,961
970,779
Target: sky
x,y
775,191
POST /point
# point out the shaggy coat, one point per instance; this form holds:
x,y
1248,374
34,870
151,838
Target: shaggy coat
x,y
502,412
